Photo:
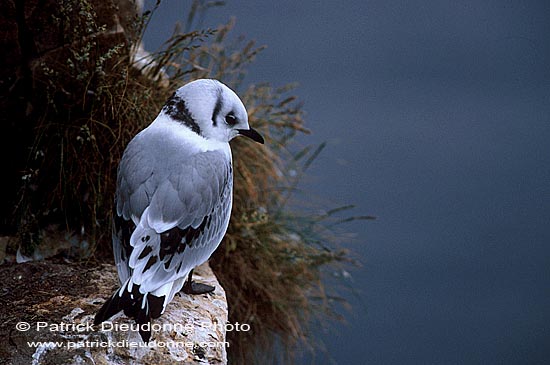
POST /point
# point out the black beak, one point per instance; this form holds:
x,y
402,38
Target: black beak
x,y
252,134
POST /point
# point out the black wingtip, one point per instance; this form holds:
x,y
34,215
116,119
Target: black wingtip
x,y
108,309
143,318
129,302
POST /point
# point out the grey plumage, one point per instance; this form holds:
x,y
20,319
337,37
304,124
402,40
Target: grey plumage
x,y
179,191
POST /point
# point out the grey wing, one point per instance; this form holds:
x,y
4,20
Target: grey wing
x,y
139,173
185,216
133,186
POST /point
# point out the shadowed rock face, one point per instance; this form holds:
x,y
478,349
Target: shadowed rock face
x,y
59,301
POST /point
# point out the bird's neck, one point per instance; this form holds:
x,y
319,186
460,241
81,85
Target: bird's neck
x,y
173,129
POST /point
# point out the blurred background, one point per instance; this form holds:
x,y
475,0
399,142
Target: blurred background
x,y
437,119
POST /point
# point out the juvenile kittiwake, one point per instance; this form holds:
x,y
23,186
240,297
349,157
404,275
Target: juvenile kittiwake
x,y
173,199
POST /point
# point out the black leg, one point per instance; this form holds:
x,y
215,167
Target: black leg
x,y
191,287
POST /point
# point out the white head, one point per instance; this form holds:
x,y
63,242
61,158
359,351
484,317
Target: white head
x,y
210,109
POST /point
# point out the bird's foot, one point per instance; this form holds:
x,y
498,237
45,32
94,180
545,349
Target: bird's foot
x,y
197,288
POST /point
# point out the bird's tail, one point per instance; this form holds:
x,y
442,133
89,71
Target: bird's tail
x,y
141,307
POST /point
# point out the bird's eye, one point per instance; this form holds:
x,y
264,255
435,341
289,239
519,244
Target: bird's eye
x,y
230,119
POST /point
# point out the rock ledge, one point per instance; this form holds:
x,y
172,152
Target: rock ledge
x,y
58,302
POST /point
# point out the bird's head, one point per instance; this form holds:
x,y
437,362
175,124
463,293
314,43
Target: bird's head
x,y
212,110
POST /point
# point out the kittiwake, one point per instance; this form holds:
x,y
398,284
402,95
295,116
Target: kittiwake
x,y
173,199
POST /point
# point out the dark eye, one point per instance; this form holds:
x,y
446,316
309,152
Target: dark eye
x,y
230,119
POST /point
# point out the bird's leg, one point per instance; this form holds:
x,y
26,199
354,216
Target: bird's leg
x,y
191,287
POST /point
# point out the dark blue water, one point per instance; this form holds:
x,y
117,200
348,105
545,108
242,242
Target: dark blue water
x,y
437,118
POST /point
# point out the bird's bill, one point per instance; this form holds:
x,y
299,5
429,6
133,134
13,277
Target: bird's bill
x,y
252,134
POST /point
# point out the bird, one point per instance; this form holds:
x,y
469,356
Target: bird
x,y
173,199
